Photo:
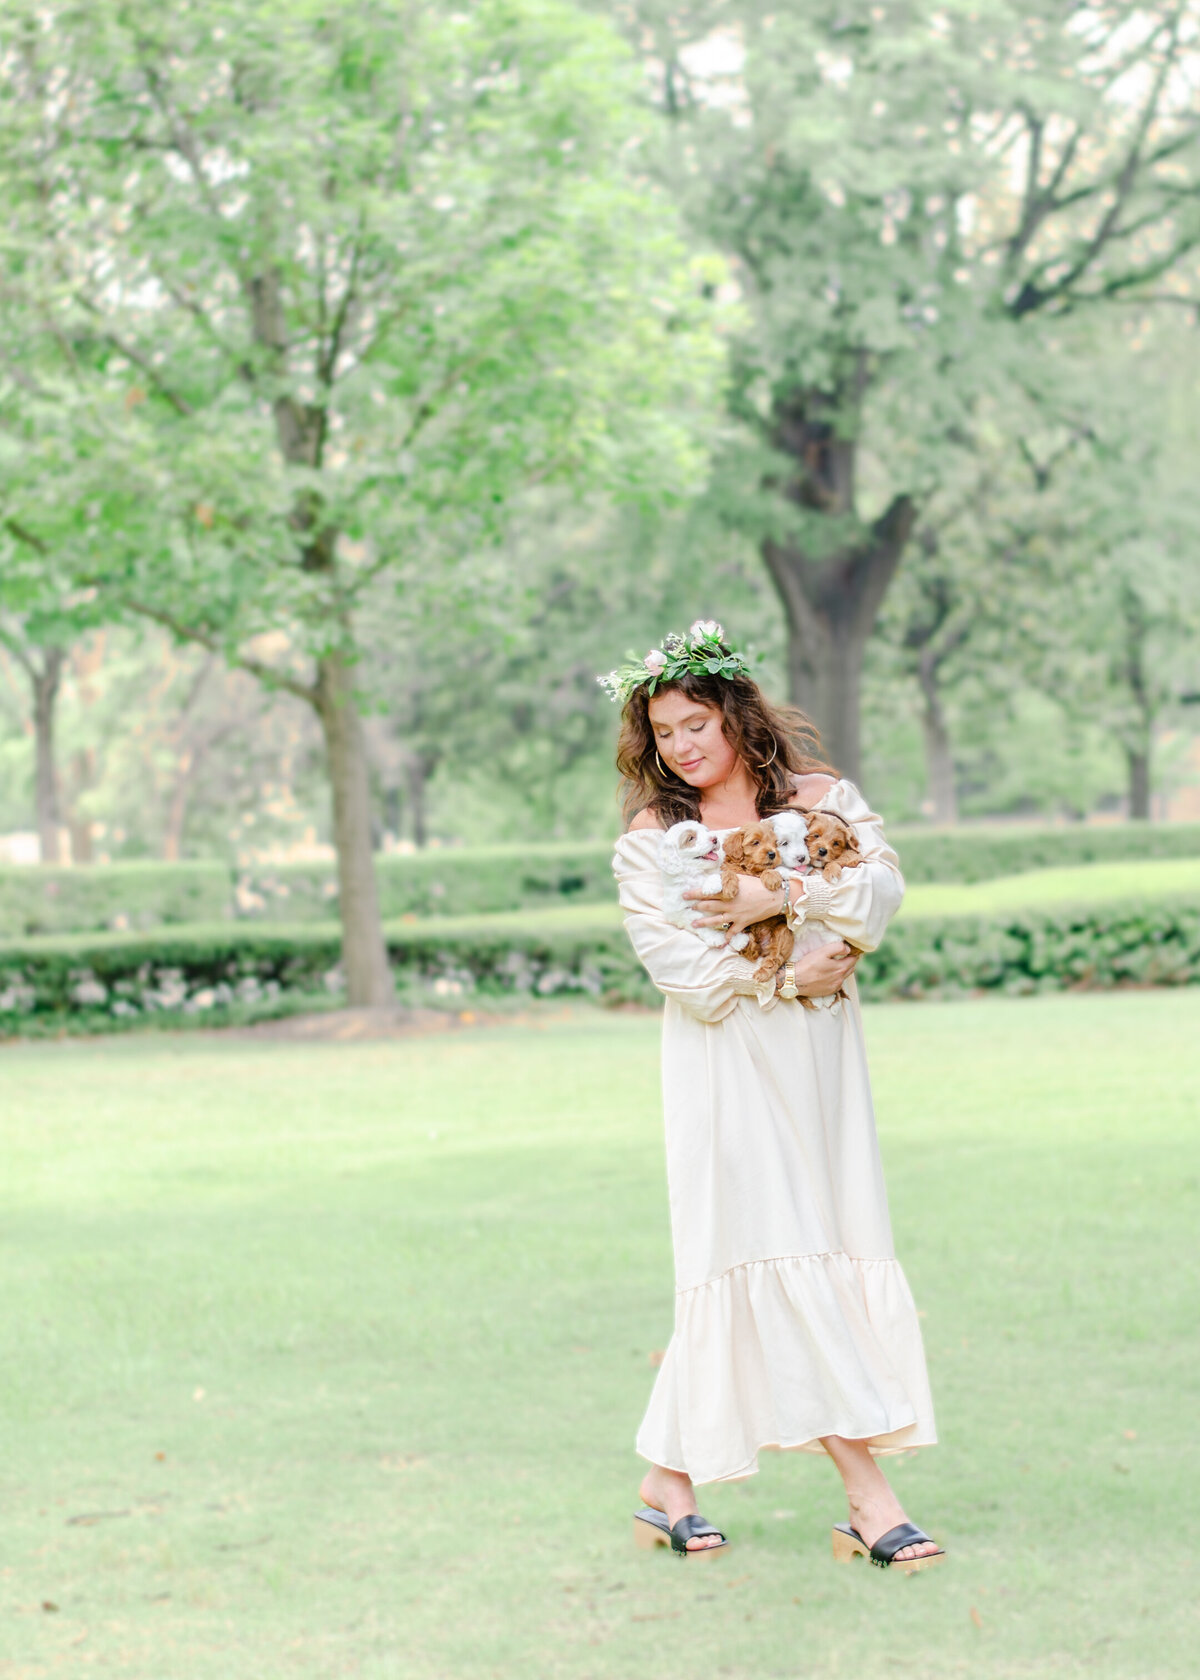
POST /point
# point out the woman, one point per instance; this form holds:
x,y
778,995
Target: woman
x,y
794,1325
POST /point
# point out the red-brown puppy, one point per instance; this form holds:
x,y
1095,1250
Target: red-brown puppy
x,y
832,845
754,850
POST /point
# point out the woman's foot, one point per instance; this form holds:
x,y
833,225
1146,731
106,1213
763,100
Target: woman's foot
x,y
873,1516
874,1508
671,1492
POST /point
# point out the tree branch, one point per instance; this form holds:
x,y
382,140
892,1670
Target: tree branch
x,y
180,404
267,674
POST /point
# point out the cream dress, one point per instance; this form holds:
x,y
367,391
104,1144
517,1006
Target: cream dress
x,y
793,1317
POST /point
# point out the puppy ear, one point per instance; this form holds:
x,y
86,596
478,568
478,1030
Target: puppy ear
x,y
735,847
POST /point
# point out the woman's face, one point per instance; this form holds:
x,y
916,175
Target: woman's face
x,y
689,739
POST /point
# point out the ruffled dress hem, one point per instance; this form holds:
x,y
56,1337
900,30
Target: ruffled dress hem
x,y
774,1354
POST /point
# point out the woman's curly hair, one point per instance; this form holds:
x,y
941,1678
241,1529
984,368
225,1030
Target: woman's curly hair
x,y
774,742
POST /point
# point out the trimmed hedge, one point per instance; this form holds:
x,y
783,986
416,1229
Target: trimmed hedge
x,y
445,881
465,881
1089,947
207,972
88,898
981,852
457,880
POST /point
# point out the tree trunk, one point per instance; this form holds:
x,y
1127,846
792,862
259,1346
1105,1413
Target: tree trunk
x,y
177,808
1138,749
416,772
364,956
1138,759
46,683
939,757
79,826
831,606
393,811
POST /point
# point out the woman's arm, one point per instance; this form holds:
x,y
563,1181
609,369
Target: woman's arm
x,y
706,980
821,972
859,905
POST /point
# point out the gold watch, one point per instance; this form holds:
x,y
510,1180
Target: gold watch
x,y
789,988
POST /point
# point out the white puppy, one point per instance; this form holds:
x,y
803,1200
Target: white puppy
x,y
690,856
791,830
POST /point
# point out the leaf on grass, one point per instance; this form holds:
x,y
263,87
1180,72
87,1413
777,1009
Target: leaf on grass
x,y
49,1604
1130,1434
86,1518
402,1461
205,513
976,1617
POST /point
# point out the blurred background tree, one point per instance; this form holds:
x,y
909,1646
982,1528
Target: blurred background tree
x,y
353,283
355,363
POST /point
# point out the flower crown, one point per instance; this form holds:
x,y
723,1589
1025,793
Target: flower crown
x,y
703,652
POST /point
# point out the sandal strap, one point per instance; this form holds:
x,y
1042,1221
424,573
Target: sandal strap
x,y
691,1528
895,1540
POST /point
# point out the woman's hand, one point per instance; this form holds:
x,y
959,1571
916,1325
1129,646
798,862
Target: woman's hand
x,y
822,971
753,903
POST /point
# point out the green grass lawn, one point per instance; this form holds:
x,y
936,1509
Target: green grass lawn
x,y
1049,889
326,1360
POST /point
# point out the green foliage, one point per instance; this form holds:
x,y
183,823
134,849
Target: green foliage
x,y
464,880
203,971
115,895
354,281
444,881
456,886
206,973
1094,947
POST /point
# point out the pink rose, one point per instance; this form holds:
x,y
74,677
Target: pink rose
x,y
708,628
655,662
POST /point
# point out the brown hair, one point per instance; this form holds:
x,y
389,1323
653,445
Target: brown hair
x,y
774,742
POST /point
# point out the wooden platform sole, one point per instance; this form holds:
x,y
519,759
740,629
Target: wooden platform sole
x,y
846,1548
647,1537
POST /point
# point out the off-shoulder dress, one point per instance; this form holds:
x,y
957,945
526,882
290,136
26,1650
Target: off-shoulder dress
x,y
793,1317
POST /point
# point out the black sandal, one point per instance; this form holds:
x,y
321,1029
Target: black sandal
x,y
651,1529
848,1544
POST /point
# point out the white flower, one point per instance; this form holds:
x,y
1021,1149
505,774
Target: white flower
x,y
708,629
655,662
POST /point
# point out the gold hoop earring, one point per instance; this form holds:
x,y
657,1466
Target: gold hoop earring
x,y
773,756
659,762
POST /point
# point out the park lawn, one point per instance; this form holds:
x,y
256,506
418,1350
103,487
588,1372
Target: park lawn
x,y
326,1360
1052,889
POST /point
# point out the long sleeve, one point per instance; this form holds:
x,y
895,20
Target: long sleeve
x,y
859,905
706,980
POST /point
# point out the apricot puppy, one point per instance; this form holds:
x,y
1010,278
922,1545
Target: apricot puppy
x,y
754,850
832,844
